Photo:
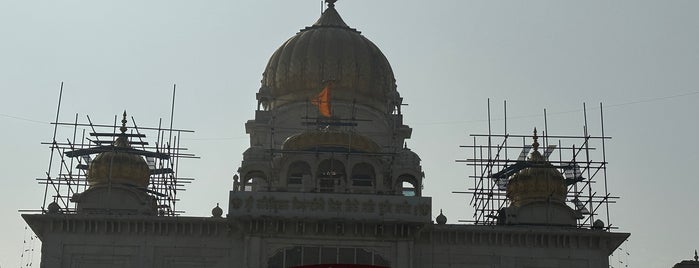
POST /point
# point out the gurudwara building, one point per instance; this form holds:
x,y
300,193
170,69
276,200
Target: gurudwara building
x,y
327,181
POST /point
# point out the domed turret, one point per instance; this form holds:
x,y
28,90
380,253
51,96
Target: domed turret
x,y
537,195
539,182
119,165
329,50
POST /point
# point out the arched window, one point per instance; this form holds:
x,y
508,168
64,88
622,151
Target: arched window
x,y
363,175
254,181
331,173
409,185
296,173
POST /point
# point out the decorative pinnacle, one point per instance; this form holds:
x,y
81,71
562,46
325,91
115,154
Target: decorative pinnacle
x,y
331,3
123,124
696,257
536,142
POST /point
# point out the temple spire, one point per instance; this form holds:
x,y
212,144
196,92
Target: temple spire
x,y
331,3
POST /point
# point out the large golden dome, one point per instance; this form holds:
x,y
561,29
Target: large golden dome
x,y
119,165
329,50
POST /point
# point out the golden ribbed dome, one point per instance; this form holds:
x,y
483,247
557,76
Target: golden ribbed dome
x,y
329,50
121,167
311,140
541,181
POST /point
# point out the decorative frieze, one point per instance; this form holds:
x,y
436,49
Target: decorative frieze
x,y
162,226
522,237
330,206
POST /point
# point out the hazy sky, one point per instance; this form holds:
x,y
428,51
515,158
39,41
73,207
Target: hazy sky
x,y
640,58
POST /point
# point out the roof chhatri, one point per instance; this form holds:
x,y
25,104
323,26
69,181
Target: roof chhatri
x,y
119,163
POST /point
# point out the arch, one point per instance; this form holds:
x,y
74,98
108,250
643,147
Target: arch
x,y
297,171
254,181
408,185
331,174
363,175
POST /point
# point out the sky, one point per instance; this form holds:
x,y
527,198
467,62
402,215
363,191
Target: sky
x,y
639,58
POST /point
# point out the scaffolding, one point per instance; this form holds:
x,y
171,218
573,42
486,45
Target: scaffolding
x,y
75,144
581,159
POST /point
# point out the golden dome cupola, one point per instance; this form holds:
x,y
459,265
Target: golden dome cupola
x,y
120,164
540,181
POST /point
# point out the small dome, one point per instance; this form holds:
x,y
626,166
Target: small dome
x,y
311,140
119,165
329,50
255,153
541,181
54,208
217,212
441,219
598,225
407,157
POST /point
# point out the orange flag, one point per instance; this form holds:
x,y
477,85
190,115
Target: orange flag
x,y
322,101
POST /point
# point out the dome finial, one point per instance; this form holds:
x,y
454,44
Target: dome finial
x,y
331,3
696,257
123,123
536,141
